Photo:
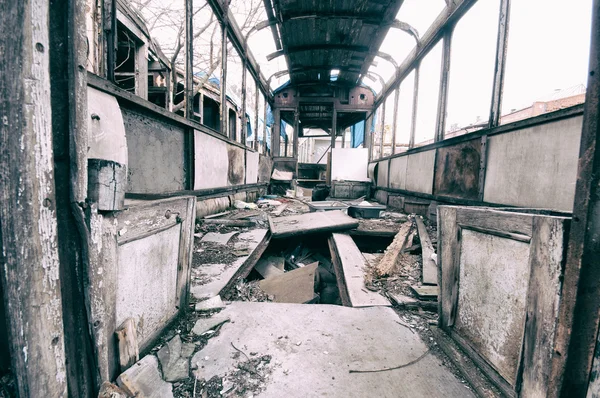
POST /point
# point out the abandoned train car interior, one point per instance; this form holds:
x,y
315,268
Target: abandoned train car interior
x,y
271,198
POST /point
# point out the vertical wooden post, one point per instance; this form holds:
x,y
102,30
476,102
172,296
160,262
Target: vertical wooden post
x,y
296,133
244,88
333,128
109,52
189,61
367,138
29,265
276,134
578,319
256,107
265,126
440,125
224,114
501,49
382,129
413,125
395,126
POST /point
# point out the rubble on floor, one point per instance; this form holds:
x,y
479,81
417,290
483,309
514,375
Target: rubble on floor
x,y
291,253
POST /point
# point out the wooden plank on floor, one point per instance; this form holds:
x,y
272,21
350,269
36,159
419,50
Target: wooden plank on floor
x,y
297,286
328,221
388,262
426,292
353,264
429,267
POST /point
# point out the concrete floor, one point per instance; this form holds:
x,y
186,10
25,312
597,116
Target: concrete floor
x,y
315,346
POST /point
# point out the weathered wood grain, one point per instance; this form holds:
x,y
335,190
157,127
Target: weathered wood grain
x,y
388,261
352,262
429,266
548,254
29,265
129,352
328,221
448,249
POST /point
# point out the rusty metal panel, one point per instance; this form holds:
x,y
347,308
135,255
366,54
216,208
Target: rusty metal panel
x,y
457,170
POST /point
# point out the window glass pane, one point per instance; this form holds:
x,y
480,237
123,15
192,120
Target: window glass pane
x,y
429,88
405,108
547,59
472,77
421,13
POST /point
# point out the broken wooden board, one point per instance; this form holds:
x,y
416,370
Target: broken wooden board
x,y
388,261
231,222
410,303
280,209
266,269
220,239
348,259
426,292
129,352
144,380
430,273
329,221
221,277
297,286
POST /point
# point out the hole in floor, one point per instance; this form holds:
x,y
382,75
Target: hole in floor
x,y
300,270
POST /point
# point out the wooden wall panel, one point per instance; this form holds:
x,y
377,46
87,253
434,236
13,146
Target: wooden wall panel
x,y
457,170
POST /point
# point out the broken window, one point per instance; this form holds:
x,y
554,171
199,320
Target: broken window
x,y
250,109
261,132
127,61
429,88
547,58
472,62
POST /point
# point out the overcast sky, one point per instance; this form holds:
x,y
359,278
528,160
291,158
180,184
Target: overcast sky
x,y
548,50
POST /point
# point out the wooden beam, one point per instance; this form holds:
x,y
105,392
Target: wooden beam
x,y
440,125
318,47
413,123
394,127
578,318
189,63
30,264
500,64
223,105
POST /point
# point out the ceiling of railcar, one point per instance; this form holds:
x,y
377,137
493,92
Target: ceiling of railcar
x,y
319,36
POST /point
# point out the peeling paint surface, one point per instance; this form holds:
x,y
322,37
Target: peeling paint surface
x,y
494,274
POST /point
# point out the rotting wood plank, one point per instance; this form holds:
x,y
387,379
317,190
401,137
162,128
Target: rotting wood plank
x,y
388,262
543,296
352,262
30,262
248,264
429,266
329,221
297,286
467,368
230,223
448,258
129,352
339,273
426,292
